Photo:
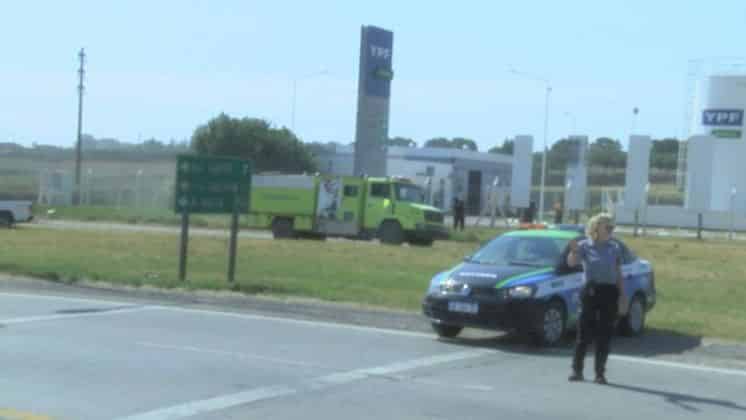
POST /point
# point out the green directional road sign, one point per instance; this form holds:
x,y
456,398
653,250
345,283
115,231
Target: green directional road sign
x,y
206,184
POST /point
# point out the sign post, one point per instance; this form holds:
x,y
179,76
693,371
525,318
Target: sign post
x,y
183,247
232,246
373,102
211,185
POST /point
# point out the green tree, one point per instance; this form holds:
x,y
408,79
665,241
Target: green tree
x,y
455,143
439,142
506,148
664,154
402,141
606,152
268,148
561,152
464,143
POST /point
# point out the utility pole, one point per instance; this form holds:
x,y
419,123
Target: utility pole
x,y
78,147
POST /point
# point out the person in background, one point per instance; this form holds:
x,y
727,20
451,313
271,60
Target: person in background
x,y
529,213
601,296
458,214
557,213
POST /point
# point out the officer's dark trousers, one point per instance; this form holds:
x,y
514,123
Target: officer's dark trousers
x,y
599,306
458,220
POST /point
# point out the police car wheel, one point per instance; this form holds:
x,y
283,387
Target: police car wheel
x,y
551,324
446,331
633,324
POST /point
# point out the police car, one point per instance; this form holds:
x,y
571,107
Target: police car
x,y
520,281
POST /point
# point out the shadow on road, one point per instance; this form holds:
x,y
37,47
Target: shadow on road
x,y
681,400
653,343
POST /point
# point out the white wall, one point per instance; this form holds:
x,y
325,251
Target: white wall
x,y
338,164
441,153
719,166
638,171
576,177
520,192
719,92
416,171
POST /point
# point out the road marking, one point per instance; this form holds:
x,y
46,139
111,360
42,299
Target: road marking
x,y
238,355
678,365
631,359
301,322
41,318
214,404
194,408
390,371
252,317
451,385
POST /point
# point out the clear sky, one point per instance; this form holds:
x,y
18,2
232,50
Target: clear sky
x,y
160,68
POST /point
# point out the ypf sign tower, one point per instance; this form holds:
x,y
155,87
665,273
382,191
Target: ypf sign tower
x,y
374,91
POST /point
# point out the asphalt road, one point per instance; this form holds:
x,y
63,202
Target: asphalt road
x,y
84,357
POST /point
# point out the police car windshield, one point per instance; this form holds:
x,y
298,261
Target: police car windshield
x,y
410,193
518,251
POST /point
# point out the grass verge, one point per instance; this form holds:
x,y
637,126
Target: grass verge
x,y
700,284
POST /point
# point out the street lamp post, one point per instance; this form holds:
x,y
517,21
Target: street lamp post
x,y
295,93
635,112
546,133
645,209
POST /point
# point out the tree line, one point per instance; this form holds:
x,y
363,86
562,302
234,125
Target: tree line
x,y
279,149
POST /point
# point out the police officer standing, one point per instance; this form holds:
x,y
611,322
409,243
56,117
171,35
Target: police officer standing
x,y
601,296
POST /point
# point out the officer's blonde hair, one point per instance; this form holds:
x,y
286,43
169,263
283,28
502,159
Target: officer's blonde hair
x,y
591,229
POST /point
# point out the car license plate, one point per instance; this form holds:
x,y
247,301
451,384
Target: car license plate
x,y
464,307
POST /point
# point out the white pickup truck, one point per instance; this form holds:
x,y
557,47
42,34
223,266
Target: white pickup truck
x,y
12,212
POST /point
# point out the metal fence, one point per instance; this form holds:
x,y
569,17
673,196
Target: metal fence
x,y
149,184
102,183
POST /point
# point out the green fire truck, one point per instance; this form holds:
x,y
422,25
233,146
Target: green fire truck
x,y
391,209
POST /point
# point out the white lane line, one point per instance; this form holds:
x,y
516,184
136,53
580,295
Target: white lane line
x,y
390,371
678,365
251,317
451,385
194,408
214,404
238,355
301,322
426,362
56,317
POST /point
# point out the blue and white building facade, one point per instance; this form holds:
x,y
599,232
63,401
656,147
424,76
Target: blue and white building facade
x,y
444,173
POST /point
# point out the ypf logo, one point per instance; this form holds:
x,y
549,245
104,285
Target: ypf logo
x,y
726,117
380,52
